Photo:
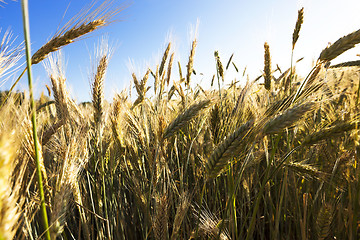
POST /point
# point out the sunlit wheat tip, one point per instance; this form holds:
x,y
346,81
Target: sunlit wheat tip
x,y
169,68
164,58
219,66
98,88
299,22
190,62
267,67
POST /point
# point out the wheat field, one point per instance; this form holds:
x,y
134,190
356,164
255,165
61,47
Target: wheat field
x,y
271,158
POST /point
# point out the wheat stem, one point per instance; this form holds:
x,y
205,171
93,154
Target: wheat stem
x,y
26,27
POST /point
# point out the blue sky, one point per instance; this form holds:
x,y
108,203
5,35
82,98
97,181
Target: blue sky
x,y
145,27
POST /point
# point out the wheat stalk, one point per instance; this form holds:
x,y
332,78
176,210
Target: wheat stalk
x,y
26,27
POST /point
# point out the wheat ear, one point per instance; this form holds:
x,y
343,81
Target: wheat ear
x,y
77,27
288,118
9,55
169,69
226,150
164,58
180,214
184,118
98,89
347,64
299,22
9,210
340,46
190,63
160,221
330,132
323,221
267,67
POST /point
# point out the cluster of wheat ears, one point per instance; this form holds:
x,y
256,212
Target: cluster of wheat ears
x,y
274,158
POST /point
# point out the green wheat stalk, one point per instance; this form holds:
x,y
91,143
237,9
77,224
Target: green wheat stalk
x,y
26,27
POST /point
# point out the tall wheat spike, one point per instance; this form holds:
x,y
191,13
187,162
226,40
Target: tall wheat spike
x,y
164,58
219,66
299,22
190,62
169,69
55,69
267,67
98,83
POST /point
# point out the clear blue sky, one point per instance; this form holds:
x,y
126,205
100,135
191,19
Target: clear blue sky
x,y
229,26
